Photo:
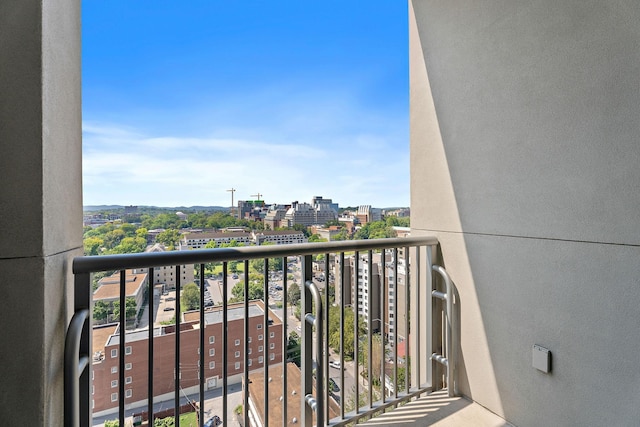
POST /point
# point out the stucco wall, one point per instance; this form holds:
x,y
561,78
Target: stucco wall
x,y
40,201
525,127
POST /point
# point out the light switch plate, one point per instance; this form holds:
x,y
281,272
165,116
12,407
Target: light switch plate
x,y
541,358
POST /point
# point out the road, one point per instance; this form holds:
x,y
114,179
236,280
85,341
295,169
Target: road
x,y
212,405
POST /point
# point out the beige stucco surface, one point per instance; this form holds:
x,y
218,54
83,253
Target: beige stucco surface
x,y
40,202
524,162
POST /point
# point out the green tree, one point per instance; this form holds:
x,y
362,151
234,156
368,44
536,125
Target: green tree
x,y
142,232
169,238
190,296
293,348
294,294
129,230
342,235
130,308
349,334
374,230
257,265
316,238
377,354
130,245
256,292
304,229
92,245
101,310
113,238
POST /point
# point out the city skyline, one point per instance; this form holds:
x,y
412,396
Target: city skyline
x,y
181,103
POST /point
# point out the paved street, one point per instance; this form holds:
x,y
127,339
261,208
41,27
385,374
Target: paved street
x,y
212,405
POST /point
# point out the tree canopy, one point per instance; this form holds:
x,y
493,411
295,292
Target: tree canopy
x,y
190,296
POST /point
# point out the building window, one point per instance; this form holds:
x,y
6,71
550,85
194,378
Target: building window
x,y
259,349
237,354
212,365
260,359
93,389
272,356
127,366
127,350
237,365
259,325
250,362
114,352
128,393
114,369
272,334
249,351
127,380
114,397
237,343
114,383
260,337
249,339
272,346
212,352
212,339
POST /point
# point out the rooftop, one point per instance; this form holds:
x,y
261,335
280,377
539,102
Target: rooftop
x,y
110,286
294,380
234,312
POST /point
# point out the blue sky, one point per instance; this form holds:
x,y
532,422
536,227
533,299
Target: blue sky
x,y
289,99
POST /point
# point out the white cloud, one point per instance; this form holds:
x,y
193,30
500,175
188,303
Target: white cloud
x,y
126,166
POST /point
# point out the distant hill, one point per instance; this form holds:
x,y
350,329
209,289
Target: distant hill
x,y
91,208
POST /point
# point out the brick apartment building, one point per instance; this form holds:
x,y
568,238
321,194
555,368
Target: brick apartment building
x,y
262,344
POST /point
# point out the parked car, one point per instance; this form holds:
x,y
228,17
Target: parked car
x,y
213,422
333,386
169,309
335,364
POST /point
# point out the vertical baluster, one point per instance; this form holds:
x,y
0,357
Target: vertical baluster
x,y
123,327
325,338
418,322
407,308
176,391
225,338
356,339
245,405
306,347
285,340
150,342
396,319
77,386
202,348
383,275
370,314
342,289
265,333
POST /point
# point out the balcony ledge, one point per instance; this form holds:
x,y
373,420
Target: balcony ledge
x,y
437,409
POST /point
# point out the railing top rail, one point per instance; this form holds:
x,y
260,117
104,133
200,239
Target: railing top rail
x,y
90,264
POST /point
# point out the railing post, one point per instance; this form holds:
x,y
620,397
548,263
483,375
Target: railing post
x,y
428,306
77,398
307,344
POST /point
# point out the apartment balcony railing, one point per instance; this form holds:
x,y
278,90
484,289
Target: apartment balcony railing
x,y
402,343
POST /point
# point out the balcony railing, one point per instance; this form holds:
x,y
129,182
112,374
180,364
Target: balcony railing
x,y
399,342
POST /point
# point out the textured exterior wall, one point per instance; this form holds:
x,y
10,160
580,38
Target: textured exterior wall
x,y
524,162
40,201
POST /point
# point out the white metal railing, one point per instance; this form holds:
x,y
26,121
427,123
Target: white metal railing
x,y
388,284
